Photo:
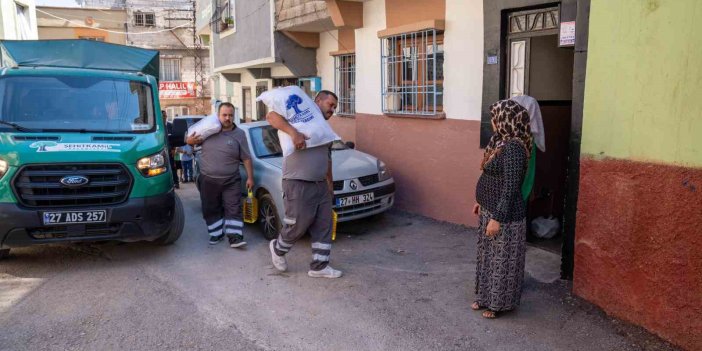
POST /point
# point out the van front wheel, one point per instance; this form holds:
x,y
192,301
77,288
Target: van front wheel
x,y
176,227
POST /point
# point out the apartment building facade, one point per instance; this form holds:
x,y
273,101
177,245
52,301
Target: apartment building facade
x,y
18,20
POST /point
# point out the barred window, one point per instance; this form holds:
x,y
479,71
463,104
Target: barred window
x,y
413,73
345,83
170,69
144,19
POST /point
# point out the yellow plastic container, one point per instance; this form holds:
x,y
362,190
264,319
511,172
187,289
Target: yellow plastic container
x,y
335,218
250,209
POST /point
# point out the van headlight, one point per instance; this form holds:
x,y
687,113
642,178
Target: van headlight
x,y
153,165
383,171
3,167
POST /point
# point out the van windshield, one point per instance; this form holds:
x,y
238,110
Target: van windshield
x,y
83,104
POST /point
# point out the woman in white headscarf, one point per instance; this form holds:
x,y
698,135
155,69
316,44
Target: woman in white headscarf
x,y
536,124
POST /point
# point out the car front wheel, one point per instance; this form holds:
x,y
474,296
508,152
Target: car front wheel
x,y
268,217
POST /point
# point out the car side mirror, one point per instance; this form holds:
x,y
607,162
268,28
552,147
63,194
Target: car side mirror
x,y
350,144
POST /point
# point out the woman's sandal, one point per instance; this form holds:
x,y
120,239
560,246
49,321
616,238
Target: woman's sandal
x,y
475,306
490,314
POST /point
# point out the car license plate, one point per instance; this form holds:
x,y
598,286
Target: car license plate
x,y
355,200
75,217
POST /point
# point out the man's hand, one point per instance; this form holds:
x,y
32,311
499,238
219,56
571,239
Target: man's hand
x,y
299,140
493,228
476,209
280,123
248,165
194,139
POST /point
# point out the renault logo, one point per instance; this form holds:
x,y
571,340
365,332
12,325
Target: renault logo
x,y
353,185
74,181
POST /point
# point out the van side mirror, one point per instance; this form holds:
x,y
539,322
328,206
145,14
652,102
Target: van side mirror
x,y
350,144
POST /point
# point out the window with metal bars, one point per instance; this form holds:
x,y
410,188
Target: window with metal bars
x,y
412,73
170,69
345,84
144,19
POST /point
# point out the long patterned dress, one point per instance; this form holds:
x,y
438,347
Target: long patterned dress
x,y
500,266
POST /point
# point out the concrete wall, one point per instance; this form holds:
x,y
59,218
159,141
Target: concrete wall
x,y
187,74
205,10
403,12
368,99
187,63
301,61
638,245
252,38
463,46
308,14
172,36
325,62
178,37
102,22
233,91
418,150
8,19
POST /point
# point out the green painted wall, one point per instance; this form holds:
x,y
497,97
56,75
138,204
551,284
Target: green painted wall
x,y
643,90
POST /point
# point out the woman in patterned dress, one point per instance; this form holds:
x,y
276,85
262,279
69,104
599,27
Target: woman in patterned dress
x,y
501,208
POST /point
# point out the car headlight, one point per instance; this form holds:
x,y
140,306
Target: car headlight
x,y
3,167
383,171
153,165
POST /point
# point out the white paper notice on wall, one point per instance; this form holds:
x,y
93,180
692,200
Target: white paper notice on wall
x,y
567,34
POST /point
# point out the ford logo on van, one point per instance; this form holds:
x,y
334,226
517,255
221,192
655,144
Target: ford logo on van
x,y
74,181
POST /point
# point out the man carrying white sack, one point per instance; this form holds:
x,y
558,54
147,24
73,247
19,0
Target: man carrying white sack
x,y
219,180
307,186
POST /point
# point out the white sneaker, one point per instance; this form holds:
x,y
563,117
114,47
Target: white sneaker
x,y
279,262
327,272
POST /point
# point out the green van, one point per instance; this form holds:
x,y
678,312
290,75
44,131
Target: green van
x,y
83,147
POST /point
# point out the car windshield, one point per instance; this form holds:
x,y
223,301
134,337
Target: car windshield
x,y
265,142
87,104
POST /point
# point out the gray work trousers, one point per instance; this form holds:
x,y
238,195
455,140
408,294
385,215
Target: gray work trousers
x,y
221,205
308,208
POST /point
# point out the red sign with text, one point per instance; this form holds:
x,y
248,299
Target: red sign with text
x,y
176,90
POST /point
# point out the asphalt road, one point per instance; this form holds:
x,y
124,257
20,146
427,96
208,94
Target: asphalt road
x,y
407,286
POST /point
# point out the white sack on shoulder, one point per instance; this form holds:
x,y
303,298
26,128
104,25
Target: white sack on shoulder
x,y
206,127
302,113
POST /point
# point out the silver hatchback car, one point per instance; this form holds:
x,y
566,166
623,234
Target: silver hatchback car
x,y
363,185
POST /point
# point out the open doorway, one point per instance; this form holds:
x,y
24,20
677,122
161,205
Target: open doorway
x,y
538,67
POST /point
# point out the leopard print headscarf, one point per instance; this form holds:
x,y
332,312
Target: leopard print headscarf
x,y
512,121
